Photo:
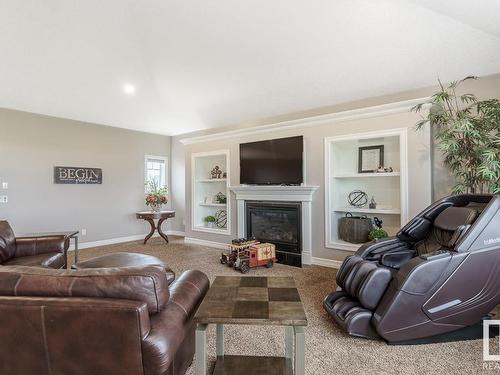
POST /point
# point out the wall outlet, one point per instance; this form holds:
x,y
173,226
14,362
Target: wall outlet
x,y
5,185
4,199
84,232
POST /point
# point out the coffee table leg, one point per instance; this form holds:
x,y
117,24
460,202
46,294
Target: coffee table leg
x,y
300,348
220,340
152,223
289,342
201,349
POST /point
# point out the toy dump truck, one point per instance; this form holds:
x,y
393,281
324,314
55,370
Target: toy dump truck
x,y
250,255
236,249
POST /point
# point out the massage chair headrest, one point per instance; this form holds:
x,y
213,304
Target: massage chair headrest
x,y
451,223
454,217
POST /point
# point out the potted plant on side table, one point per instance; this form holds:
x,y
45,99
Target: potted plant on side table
x,y
156,196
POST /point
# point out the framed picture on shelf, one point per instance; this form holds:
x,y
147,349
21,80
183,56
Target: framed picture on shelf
x,y
370,158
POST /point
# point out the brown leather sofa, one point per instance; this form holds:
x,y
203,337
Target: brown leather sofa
x,y
42,251
97,321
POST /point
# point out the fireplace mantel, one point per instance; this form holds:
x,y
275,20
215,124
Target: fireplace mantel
x,y
303,194
274,193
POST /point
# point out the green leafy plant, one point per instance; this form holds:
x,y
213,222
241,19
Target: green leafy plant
x,y
210,219
376,234
220,198
467,131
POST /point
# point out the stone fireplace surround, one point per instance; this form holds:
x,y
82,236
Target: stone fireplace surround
x,y
302,194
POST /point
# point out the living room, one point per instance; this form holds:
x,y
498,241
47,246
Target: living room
x,y
264,188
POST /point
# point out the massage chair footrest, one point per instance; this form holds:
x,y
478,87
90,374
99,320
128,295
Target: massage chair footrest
x,y
350,315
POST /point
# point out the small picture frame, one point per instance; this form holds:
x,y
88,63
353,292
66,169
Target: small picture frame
x,y
370,158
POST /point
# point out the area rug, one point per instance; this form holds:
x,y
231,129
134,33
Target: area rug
x,y
328,349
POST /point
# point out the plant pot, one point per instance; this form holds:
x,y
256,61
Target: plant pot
x,y
210,224
155,208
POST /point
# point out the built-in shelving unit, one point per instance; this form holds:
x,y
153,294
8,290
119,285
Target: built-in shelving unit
x,y
365,175
204,189
389,189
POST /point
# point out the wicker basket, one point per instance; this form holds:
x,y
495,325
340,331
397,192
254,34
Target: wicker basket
x,y
354,229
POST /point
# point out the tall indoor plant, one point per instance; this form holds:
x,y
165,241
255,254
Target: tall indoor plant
x,y
467,131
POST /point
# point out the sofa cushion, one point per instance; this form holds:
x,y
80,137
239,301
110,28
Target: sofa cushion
x,y
122,259
145,284
7,242
49,260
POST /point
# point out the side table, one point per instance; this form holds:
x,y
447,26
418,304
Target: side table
x,y
150,217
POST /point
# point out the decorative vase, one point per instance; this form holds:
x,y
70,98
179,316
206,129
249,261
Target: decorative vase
x,y
155,208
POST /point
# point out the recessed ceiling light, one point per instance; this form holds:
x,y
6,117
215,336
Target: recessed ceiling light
x,y
129,89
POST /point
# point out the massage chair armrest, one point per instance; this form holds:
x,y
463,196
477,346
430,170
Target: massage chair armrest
x,y
420,274
397,259
27,246
375,249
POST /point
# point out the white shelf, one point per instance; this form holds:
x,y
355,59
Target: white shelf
x,y
388,189
361,175
205,189
213,204
213,180
368,210
210,230
344,245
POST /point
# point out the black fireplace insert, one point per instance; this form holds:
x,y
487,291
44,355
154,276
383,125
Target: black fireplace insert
x,y
278,223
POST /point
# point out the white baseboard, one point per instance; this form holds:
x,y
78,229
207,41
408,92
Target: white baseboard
x,y
306,257
176,233
196,241
326,262
112,241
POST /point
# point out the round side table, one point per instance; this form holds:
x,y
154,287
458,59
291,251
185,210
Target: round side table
x,y
150,217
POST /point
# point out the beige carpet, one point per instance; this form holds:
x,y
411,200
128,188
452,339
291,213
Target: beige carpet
x,y
328,349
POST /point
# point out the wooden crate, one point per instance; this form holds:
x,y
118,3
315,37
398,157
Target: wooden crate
x,y
265,251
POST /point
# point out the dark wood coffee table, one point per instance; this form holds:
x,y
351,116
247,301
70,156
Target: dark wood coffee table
x,y
150,217
252,301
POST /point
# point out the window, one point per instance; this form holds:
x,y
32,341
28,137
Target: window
x,y
156,169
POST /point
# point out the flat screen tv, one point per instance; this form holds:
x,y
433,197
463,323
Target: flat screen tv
x,y
272,162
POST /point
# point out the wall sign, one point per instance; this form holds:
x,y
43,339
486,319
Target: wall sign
x,y
77,175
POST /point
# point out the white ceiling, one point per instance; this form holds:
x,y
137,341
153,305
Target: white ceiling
x,y
203,64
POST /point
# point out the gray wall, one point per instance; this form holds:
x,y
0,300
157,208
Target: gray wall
x,y
418,158
421,186
31,145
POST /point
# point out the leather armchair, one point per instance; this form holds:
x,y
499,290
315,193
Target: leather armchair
x,y
42,251
98,321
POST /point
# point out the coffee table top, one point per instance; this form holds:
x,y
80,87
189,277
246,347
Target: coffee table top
x,y
252,300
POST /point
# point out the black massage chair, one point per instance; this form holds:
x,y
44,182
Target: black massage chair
x,y
439,274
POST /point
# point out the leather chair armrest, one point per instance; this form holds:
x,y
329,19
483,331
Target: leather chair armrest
x,y
80,335
170,327
27,246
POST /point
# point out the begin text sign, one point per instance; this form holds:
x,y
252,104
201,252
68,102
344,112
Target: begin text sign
x,y
77,175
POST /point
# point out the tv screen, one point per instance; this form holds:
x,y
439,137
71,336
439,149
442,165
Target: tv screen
x,y
272,162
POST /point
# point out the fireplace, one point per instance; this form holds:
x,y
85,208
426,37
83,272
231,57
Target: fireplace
x,y
278,223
